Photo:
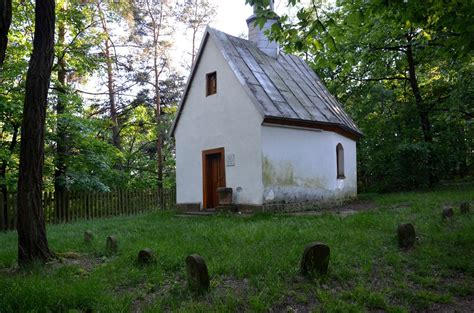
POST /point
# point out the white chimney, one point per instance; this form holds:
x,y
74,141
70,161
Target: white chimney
x,y
257,34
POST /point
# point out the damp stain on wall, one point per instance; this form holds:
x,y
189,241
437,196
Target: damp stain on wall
x,y
282,173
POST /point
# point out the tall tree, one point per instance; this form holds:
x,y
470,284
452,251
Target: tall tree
x,y
109,60
78,42
61,133
153,23
5,21
196,14
32,241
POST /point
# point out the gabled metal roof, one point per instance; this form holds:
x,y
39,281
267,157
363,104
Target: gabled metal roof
x,y
285,88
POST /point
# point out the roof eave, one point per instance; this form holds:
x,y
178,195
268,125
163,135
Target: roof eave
x,y
339,128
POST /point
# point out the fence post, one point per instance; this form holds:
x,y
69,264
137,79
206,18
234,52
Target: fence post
x,y
66,206
127,201
118,201
148,200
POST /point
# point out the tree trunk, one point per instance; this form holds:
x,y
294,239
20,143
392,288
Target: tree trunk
x,y
193,52
159,139
159,151
5,21
195,28
61,211
110,81
113,105
32,241
423,112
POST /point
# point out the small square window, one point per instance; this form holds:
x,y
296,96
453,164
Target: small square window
x,y
211,83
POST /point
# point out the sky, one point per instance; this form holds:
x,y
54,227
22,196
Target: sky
x,y
231,16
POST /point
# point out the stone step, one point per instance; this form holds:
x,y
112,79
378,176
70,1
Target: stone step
x,y
197,213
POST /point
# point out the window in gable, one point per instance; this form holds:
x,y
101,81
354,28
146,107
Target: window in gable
x,y
211,83
340,161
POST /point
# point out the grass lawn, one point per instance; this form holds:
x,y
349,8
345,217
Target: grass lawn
x,y
254,262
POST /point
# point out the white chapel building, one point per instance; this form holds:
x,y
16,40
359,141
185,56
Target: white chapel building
x,y
261,122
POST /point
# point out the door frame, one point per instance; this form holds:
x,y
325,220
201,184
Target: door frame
x,y
205,154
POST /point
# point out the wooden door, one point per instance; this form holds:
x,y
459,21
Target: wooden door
x,y
213,176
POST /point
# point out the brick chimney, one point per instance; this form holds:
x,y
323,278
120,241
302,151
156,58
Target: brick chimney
x,y
257,34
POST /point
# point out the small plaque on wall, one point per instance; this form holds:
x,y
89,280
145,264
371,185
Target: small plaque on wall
x,y
230,160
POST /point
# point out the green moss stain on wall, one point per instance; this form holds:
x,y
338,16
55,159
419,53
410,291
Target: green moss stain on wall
x,y
315,183
279,173
282,173
268,171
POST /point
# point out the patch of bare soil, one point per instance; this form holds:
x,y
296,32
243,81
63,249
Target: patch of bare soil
x,y
300,298
296,304
291,304
345,209
10,271
146,295
400,206
226,284
84,261
458,305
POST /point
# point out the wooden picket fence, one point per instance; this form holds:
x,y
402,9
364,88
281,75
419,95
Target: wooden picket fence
x,y
73,206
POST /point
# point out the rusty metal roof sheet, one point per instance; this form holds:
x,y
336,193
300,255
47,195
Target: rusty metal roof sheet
x,y
285,87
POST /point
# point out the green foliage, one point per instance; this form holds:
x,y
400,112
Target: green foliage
x,y
371,54
91,162
12,83
139,133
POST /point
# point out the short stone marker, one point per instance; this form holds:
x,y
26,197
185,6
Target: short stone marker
x,y
464,208
315,259
111,245
146,256
447,213
198,276
88,236
406,236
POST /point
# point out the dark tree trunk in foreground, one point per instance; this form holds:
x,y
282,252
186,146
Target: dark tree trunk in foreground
x,y
32,241
5,21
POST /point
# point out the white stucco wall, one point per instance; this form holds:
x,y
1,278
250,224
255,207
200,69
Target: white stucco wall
x,y
300,165
227,119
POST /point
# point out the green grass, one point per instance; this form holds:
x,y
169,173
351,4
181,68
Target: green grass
x,y
254,261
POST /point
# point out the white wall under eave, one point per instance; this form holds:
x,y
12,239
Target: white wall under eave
x,y
299,165
227,119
